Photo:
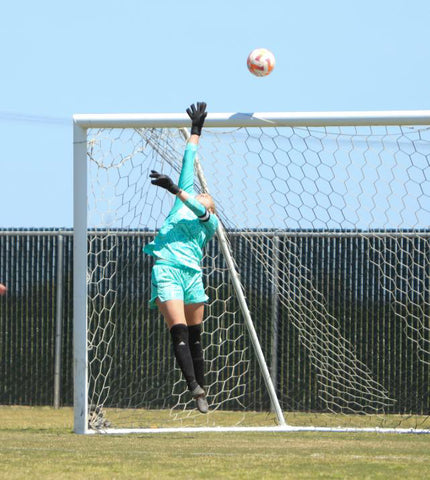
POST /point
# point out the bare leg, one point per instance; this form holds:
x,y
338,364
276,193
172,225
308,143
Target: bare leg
x,y
173,312
194,313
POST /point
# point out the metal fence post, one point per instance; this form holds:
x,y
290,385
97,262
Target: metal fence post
x,y
58,321
275,313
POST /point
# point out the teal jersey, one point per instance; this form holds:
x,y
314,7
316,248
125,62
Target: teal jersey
x,y
188,227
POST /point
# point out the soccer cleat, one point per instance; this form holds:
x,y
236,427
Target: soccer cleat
x,y
202,404
200,396
197,391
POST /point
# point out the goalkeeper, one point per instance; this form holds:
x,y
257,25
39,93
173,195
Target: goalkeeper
x,y
177,285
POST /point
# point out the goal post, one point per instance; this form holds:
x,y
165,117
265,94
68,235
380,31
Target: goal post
x,y
80,357
318,279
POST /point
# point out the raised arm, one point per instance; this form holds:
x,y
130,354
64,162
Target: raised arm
x,y
186,177
197,115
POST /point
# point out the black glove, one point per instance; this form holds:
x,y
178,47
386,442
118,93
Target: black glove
x,y
197,116
164,181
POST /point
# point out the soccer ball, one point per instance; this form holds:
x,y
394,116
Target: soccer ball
x,y
261,62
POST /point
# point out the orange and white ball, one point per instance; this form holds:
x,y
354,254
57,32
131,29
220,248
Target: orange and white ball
x,y
261,62
3,289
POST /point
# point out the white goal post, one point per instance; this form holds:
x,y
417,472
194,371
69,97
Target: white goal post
x,y
319,277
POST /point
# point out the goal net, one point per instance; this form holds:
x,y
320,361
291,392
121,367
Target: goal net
x,y
318,278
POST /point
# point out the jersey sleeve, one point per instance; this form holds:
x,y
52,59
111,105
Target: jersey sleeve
x,y
186,178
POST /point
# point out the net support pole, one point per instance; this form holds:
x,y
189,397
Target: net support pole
x,y
222,238
250,324
80,365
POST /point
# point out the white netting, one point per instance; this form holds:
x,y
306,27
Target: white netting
x,y
329,231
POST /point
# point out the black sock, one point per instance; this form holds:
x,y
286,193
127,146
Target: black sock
x,y
196,349
179,334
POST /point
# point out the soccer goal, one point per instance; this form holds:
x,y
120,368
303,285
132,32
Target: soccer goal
x,y
318,278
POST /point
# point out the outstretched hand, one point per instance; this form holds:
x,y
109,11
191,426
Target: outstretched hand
x,y
164,181
198,116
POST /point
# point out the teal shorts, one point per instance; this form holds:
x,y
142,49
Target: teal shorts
x,y
170,282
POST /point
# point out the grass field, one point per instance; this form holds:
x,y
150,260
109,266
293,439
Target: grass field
x,y
39,443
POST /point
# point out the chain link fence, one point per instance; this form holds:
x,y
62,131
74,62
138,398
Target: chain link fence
x,y
36,317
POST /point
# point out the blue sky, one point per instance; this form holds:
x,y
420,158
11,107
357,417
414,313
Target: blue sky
x,y
130,56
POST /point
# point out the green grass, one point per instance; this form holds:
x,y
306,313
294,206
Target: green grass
x,y
39,443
